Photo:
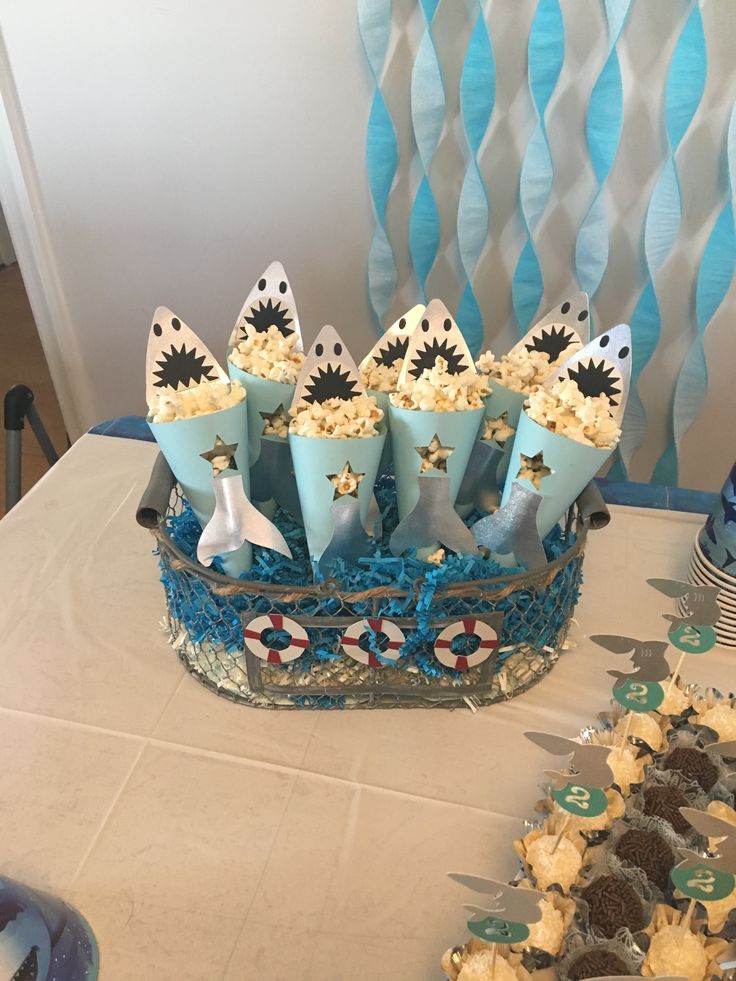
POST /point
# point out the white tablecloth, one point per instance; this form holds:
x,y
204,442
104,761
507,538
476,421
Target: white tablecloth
x,y
207,840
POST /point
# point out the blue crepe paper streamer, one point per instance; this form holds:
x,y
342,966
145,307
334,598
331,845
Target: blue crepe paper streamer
x,y
546,55
714,278
427,114
477,95
382,156
211,618
684,89
603,130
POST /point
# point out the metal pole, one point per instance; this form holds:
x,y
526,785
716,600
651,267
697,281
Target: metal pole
x,y
12,467
42,437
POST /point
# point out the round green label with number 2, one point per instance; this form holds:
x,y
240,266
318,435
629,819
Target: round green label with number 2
x,y
585,802
703,883
639,696
495,931
692,639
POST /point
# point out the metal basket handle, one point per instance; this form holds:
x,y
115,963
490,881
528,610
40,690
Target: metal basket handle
x,y
155,499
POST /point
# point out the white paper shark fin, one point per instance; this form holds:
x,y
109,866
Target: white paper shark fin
x,y
602,367
561,332
235,520
328,372
269,304
392,345
437,336
176,359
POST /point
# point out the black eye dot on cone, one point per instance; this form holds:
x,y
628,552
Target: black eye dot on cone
x,y
624,352
402,323
282,286
261,284
565,307
176,323
583,315
604,340
157,330
319,350
425,325
447,324
337,349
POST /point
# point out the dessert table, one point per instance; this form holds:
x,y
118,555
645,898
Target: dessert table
x,y
204,839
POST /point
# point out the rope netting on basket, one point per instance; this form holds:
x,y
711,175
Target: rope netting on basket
x,y
207,613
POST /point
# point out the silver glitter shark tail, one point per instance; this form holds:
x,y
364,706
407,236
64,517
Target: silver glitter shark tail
x,y
433,520
235,521
349,540
513,529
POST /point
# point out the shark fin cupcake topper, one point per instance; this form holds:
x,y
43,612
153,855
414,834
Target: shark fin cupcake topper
x,y
270,304
563,331
602,367
437,336
328,372
176,359
392,345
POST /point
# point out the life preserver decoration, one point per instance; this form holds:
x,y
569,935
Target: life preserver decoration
x,y
353,635
298,639
469,625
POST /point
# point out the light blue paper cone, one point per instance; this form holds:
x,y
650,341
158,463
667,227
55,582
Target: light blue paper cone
x,y
382,398
573,465
506,400
411,428
264,395
182,442
315,459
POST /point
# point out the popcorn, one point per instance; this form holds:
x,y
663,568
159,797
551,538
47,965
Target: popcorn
x,y
498,429
519,370
346,482
200,400
276,423
436,558
565,410
337,418
434,455
269,354
382,377
436,390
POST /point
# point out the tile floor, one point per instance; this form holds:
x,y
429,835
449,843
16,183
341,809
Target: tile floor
x,y
23,362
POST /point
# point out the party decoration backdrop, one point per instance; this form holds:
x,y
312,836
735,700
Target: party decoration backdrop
x,y
547,149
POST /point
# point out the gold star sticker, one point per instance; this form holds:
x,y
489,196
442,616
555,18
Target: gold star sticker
x,y
221,456
346,482
276,423
434,455
533,468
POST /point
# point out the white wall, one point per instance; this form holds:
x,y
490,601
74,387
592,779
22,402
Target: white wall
x,y
179,146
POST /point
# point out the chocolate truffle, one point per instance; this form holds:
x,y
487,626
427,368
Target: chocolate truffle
x,y
613,904
665,802
693,764
596,964
648,851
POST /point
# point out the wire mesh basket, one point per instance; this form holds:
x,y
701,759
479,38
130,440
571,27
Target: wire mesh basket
x,y
313,645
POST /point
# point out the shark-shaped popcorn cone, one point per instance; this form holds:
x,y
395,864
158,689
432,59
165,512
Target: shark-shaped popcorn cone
x,y
265,357
558,335
381,367
553,463
331,409
196,446
428,430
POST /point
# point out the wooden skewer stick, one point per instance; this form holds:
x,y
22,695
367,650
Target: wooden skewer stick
x,y
675,673
559,836
493,960
627,729
688,916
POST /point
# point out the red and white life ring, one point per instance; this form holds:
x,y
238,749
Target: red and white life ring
x,y
351,641
485,633
275,621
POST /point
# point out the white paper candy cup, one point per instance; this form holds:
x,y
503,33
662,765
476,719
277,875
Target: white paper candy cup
x,y
411,428
264,395
573,465
182,442
315,459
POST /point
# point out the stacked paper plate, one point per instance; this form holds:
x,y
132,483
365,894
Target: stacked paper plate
x,y
702,572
